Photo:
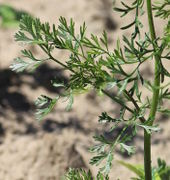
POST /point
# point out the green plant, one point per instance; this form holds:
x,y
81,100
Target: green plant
x,y
80,174
93,66
10,17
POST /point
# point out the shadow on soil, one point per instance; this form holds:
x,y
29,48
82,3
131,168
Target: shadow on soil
x,y
11,94
44,75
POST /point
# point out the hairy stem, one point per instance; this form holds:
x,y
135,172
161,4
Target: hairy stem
x,y
155,97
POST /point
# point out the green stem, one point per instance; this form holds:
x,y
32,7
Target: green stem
x,y
61,64
117,100
155,97
142,119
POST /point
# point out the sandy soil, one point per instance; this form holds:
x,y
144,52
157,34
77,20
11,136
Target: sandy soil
x,y
31,150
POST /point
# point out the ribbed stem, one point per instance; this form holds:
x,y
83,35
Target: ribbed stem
x,y
147,156
155,97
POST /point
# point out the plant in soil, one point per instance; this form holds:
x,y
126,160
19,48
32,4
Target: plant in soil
x,y
93,65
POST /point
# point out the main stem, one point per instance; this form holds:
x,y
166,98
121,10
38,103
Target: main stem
x,y
155,97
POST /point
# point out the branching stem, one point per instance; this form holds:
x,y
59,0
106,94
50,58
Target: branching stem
x,y
57,61
142,119
118,101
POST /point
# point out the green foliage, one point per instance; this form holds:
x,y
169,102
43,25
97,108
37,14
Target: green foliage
x,y
162,172
162,9
44,106
92,65
137,169
83,175
10,16
137,8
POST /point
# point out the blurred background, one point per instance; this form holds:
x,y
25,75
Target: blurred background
x,y
32,150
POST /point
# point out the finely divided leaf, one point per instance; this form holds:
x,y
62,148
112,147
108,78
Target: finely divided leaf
x,y
44,106
130,149
149,129
20,65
